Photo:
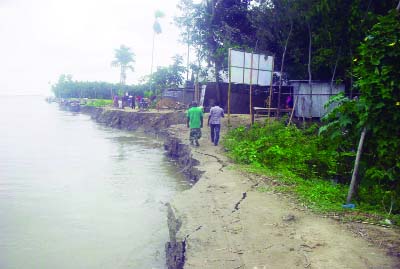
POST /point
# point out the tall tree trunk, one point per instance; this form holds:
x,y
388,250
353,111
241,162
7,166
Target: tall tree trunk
x,y
215,60
122,75
309,69
334,73
197,80
354,182
351,75
187,67
282,64
152,60
217,86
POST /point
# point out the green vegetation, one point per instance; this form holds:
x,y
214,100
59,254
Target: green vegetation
x,y
377,70
168,77
305,164
163,78
280,147
99,102
68,88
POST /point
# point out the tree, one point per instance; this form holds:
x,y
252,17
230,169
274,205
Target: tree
x,y
212,27
376,115
67,88
378,79
124,58
337,28
156,30
170,76
62,88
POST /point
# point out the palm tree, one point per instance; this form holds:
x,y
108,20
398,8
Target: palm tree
x,y
156,30
124,58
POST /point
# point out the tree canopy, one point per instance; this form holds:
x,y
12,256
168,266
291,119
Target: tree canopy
x,y
337,27
66,87
170,76
124,58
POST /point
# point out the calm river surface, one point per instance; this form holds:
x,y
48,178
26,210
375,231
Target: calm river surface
x,y
74,194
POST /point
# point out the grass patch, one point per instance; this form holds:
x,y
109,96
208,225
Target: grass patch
x,y
99,102
320,196
298,162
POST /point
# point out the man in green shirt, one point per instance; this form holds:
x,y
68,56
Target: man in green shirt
x,y
195,123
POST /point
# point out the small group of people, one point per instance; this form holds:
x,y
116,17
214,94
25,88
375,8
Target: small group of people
x,y
195,123
132,101
124,101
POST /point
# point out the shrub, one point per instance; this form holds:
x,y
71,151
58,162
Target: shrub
x,y
275,145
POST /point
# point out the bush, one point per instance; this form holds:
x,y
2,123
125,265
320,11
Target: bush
x,y
276,145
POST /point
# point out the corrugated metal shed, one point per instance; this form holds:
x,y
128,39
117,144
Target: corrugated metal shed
x,y
321,92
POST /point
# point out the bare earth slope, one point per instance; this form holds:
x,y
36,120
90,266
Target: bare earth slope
x,y
227,223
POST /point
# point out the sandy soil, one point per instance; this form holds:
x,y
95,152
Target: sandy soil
x,y
227,223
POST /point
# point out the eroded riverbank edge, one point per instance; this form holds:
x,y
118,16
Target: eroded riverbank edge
x,y
157,124
223,222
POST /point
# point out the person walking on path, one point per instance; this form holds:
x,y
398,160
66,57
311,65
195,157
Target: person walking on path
x,y
214,122
195,123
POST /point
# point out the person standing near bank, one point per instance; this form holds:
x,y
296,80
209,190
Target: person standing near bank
x,y
195,123
214,122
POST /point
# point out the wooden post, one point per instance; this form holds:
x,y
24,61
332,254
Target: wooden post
x,y
353,185
270,89
294,105
251,88
309,71
229,88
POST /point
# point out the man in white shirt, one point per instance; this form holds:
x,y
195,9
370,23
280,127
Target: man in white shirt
x,y
214,122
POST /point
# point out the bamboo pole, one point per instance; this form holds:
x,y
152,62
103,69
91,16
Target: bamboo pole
x,y
152,61
294,105
270,89
251,88
229,88
353,185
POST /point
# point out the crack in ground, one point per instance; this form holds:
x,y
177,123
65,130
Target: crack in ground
x,y
238,203
197,229
181,265
221,162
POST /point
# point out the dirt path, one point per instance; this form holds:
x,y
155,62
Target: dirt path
x,y
227,223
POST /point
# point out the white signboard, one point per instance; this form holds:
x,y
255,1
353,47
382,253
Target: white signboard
x,y
241,68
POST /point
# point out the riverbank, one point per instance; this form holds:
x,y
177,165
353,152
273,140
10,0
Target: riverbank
x,y
154,123
224,221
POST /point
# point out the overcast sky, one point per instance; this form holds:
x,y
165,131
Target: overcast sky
x,y
41,39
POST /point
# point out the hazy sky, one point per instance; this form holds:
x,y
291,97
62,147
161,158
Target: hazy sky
x,y
41,39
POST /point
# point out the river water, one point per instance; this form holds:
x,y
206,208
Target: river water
x,y
74,194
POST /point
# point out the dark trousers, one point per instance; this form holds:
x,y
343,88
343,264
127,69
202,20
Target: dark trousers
x,y
215,128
